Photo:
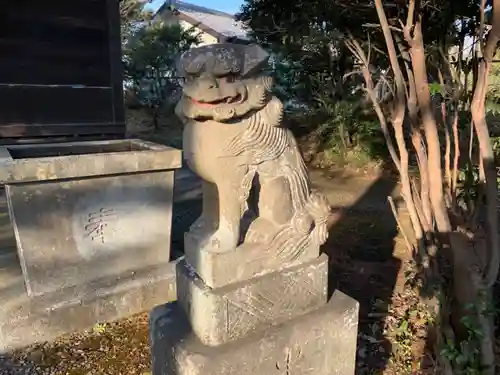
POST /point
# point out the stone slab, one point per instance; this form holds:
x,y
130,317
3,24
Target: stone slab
x,y
53,161
225,314
71,232
25,320
322,342
218,268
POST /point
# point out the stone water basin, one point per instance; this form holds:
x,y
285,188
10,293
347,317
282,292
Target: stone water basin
x,y
85,213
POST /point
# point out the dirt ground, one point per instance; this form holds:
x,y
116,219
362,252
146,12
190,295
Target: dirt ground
x,y
368,259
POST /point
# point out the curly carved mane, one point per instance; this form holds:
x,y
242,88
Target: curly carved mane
x,y
264,139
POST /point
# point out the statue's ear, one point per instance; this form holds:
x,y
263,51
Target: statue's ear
x,y
255,58
179,66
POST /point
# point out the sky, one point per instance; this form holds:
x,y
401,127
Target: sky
x,y
229,6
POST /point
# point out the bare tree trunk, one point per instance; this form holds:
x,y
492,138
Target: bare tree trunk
x,y
430,207
485,146
418,142
430,128
489,178
397,120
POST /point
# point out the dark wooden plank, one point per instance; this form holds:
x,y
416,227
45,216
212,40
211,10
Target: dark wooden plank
x,y
115,58
62,21
54,105
55,61
77,23
39,30
49,130
39,49
46,44
54,42
60,73
94,11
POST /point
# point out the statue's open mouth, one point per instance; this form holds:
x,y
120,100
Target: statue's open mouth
x,y
214,103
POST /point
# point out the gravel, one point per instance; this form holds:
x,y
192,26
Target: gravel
x,y
117,348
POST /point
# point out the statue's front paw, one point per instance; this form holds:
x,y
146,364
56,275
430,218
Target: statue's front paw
x,y
222,241
198,224
201,228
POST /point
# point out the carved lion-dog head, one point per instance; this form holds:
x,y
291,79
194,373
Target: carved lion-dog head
x,y
223,82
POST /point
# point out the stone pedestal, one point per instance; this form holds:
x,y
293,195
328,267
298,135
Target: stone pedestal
x,y
321,342
278,323
252,289
231,312
219,268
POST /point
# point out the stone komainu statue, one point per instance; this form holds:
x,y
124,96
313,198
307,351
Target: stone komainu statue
x,y
234,139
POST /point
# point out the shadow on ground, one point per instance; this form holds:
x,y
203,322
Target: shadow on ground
x,y
362,264
186,208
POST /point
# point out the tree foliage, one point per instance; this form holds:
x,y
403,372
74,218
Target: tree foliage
x,y
452,197
433,121
133,15
311,33
150,49
307,39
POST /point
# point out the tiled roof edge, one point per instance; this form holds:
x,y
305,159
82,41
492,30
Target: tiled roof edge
x,y
192,7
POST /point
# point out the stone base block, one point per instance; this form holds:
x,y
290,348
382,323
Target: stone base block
x,y
221,267
72,232
223,314
25,320
322,342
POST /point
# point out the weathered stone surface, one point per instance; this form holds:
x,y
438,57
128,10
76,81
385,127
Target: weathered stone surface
x,y
25,320
53,161
252,291
234,140
224,314
218,268
322,342
69,233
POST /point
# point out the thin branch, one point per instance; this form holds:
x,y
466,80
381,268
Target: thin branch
x,y
410,15
398,222
456,156
377,26
418,145
447,153
358,52
398,117
480,35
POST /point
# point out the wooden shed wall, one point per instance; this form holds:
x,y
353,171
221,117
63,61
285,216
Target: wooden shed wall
x,y
60,69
